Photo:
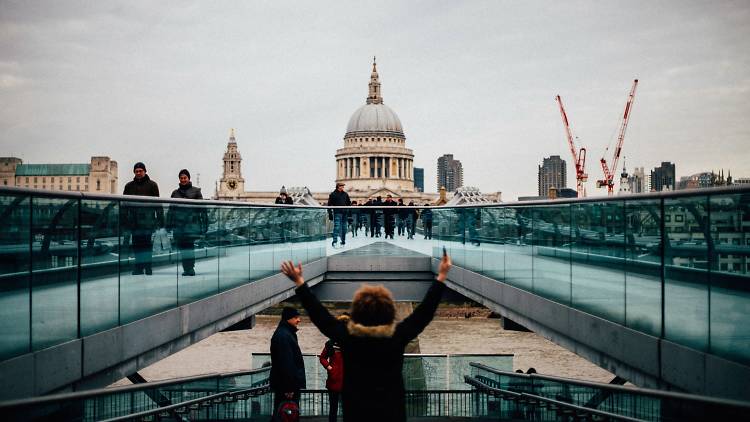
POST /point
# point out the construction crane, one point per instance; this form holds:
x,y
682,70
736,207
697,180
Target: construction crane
x,y
579,158
608,180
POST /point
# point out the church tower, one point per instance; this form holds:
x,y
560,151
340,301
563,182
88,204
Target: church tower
x,y
231,184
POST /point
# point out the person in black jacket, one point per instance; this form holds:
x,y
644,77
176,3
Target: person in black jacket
x,y
427,222
283,198
339,198
389,216
287,376
372,343
141,218
188,224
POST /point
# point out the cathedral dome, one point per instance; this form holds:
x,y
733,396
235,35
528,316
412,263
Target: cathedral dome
x,y
374,118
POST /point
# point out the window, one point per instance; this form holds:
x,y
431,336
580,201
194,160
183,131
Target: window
x,y
27,180
679,218
78,187
52,180
70,179
34,179
98,185
69,187
44,180
86,179
78,179
667,218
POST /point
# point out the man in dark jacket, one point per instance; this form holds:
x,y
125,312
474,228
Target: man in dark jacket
x,y
188,224
339,198
372,343
427,222
142,218
287,367
390,216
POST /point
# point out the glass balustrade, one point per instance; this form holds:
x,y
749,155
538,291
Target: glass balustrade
x,y
672,265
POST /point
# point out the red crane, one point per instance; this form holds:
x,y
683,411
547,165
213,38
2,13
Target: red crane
x,y
579,158
608,180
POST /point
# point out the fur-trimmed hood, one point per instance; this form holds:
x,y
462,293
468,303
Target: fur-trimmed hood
x,y
375,331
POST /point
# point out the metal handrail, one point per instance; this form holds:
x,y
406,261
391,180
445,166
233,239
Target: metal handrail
x,y
82,395
722,190
619,388
255,390
531,397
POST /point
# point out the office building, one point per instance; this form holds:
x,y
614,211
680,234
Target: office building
x,y
450,173
551,174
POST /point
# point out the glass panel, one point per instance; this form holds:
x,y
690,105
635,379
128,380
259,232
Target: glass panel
x,y
194,250
598,259
518,259
234,249
471,228
15,294
148,271
551,241
99,261
686,271
730,259
54,291
494,227
643,266
261,251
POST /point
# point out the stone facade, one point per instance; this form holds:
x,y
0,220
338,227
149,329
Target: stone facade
x,y
99,176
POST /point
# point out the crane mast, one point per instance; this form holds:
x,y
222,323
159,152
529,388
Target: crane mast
x,y
579,158
608,180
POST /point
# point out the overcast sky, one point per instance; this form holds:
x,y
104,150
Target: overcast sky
x,y
162,82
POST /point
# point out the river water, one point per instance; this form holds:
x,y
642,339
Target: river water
x,y
231,351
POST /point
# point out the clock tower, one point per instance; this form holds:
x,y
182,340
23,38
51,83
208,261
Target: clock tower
x,y
231,184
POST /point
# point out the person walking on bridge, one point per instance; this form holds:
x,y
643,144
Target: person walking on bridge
x,y
142,219
339,198
188,224
372,343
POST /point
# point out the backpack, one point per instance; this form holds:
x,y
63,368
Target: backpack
x,y
288,411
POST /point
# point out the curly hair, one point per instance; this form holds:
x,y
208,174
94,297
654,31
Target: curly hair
x,y
373,305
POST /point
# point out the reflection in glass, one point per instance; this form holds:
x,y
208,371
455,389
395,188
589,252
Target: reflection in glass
x,y
15,294
54,285
685,271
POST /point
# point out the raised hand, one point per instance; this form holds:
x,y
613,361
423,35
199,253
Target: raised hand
x,y
445,266
294,273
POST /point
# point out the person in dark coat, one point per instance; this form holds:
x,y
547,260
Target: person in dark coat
x,y
188,224
284,215
287,376
427,222
332,360
372,344
411,220
339,198
390,216
283,198
141,218
403,215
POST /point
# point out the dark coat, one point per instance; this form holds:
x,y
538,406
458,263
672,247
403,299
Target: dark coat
x,y
287,366
142,216
143,187
339,199
187,221
427,215
287,201
374,356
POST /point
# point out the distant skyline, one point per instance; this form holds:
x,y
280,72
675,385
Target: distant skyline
x,y
163,83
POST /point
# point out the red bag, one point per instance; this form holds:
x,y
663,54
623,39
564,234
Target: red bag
x,y
288,411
